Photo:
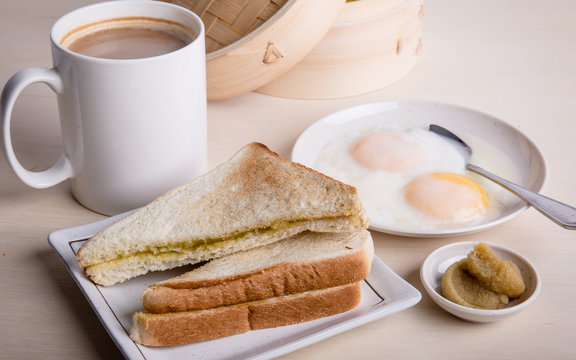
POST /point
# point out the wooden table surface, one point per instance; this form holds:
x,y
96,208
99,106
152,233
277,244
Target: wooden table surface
x,y
515,59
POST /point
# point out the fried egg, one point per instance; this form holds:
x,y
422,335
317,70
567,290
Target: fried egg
x,y
409,178
447,196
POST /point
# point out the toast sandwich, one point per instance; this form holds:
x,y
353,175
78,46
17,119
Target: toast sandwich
x,y
254,199
304,277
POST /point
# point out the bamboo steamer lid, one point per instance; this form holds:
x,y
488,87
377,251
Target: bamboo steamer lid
x,y
251,42
372,44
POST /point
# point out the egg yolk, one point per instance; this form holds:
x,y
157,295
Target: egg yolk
x,y
447,196
389,151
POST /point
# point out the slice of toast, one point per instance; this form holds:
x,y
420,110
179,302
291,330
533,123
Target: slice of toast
x,y
201,325
303,262
253,199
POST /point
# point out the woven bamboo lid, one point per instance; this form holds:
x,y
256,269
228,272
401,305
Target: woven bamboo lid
x,y
251,42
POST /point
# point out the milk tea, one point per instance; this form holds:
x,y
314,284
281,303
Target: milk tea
x,y
131,38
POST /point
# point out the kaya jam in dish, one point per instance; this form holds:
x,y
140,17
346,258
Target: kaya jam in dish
x,y
482,280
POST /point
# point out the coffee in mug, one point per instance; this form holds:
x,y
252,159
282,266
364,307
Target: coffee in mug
x,y
130,79
128,38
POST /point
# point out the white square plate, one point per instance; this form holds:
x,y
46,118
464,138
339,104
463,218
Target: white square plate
x,y
383,293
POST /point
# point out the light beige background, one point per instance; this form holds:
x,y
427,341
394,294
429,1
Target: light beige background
x,y
515,59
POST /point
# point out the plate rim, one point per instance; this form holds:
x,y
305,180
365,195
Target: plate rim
x,y
403,296
374,108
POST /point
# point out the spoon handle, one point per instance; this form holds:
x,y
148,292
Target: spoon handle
x,y
562,214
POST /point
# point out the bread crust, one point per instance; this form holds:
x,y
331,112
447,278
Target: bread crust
x,y
201,325
185,293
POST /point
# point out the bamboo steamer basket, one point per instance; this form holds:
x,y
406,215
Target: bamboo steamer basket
x,y
372,44
251,42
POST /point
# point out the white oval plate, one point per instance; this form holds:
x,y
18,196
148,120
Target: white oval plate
x,y
464,122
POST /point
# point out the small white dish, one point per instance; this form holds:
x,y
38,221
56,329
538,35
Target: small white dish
x,y
466,123
383,293
439,260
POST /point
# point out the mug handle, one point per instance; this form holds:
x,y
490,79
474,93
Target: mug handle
x,y
60,171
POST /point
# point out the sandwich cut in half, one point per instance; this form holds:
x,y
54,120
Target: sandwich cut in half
x,y
201,325
254,199
304,277
303,262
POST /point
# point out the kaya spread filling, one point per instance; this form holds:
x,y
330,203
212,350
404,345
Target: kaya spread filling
x,y
482,280
174,250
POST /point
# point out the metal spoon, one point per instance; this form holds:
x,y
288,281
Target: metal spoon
x,y
562,214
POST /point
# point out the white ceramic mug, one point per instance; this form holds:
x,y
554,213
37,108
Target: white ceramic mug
x,y
132,129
